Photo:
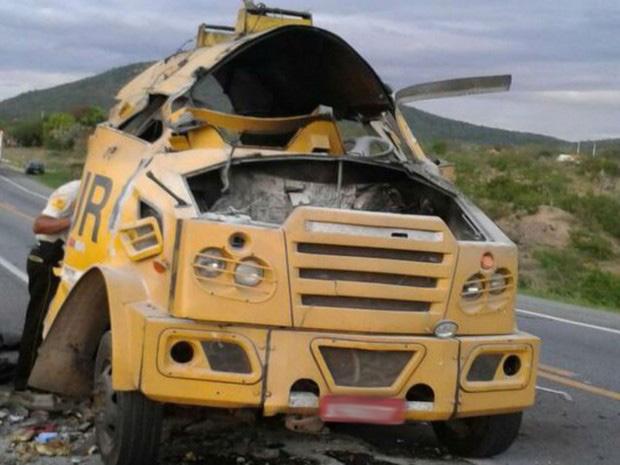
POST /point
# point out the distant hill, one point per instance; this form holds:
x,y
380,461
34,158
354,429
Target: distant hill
x,y
101,89
429,128
96,90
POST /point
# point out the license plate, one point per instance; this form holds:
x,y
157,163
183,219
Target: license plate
x,y
355,409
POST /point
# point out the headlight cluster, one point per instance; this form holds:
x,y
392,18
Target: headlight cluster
x,y
498,283
473,287
478,284
212,262
249,273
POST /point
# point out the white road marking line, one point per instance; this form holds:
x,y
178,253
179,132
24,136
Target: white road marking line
x,y
562,394
570,322
14,270
20,187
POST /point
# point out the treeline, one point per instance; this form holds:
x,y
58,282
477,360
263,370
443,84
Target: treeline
x,y
56,131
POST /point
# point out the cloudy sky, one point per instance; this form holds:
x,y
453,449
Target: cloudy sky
x,y
564,54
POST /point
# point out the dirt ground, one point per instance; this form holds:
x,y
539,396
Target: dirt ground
x,y
42,429
549,226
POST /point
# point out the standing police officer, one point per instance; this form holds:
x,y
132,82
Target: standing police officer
x,y
51,228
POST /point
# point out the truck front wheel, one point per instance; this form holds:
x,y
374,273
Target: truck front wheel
x,y
127,424
479,437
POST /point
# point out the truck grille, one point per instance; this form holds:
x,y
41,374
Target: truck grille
x,y
364,303
341,260
365,368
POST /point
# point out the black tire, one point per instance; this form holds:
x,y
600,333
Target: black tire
x,y
127,424
479,437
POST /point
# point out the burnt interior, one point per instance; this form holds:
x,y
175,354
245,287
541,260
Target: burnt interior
x,y
268,191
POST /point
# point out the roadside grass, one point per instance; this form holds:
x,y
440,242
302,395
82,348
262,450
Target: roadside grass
x,y
570,277
506,181
60,166
592,245
581,302
55,179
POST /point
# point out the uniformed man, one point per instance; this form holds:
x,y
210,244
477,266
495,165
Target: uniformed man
x,y
51,228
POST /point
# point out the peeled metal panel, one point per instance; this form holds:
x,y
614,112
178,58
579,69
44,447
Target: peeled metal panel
x,y
454,88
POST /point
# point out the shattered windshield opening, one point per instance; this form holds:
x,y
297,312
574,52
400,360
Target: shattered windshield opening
x,y
268,191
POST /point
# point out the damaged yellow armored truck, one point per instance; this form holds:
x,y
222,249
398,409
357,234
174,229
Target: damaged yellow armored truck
x,y
258,228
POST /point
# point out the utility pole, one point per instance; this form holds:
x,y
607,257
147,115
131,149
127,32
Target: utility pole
x,y
594,150
578,147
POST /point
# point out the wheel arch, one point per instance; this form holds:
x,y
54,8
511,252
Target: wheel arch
x,y
66,359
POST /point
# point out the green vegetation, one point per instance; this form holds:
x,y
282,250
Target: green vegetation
x,y
512,183
60,131
27,133
570,277
595,209
591,245
60,167
57,131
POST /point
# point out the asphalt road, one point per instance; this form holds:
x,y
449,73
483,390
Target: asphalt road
x,y
576,419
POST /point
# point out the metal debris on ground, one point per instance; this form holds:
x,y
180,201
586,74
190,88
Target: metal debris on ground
x,y
35,425
197,436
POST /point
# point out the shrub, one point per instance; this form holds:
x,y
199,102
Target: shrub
x,y
59,131
27,133
523,197
89,116
439,147
600,209
602,288
595,166
562,268
591,244
569,276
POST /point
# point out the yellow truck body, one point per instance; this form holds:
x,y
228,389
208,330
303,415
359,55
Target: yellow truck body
x,y
245,250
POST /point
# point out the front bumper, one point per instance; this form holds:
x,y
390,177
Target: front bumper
x,y
275,359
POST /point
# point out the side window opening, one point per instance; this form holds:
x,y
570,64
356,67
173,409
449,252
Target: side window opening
x,y
146,210
209,93
147,124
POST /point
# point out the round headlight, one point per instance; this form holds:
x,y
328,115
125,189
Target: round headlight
x,y
446,329
210,263
473,287
249,273
498,283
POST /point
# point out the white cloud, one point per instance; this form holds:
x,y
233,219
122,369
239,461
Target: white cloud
x,y
579,97
16,81
562,53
